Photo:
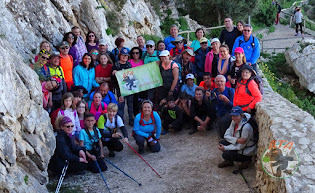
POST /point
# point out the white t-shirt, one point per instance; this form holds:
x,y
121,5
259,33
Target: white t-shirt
x,y
111,125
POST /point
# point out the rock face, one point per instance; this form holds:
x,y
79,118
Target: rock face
x,y
302,61
26,138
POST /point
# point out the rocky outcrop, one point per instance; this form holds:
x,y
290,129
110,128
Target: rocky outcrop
x,y
26,137
302,61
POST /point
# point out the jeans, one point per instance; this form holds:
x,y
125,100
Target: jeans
x,y
233,155
140,142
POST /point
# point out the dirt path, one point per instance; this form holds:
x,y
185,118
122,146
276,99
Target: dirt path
x,y
187,163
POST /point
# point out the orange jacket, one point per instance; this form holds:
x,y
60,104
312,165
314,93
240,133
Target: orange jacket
x,y
66,64
243,99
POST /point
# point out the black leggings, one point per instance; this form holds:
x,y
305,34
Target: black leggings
x,y
233,155
297,27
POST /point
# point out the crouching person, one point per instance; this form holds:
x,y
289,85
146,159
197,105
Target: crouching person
x,y
147,127
238,143
172,116
90,138
108,125
66,150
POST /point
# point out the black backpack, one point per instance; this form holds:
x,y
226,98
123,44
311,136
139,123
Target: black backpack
x,y
96,149
254,125
258,81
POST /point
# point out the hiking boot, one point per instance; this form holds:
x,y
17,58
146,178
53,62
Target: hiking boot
x,y
296,34
164,132
111,154
244,164
141,151
225,164
192,131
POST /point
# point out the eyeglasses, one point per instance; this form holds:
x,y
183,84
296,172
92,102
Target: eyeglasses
x,y
178,42
247,30
135,53
70,37
91,35
95,53
43,57
204,43
149,46
64,48
68,126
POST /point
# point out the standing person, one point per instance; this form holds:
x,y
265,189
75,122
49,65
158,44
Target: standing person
x,y
123,64
236,66
184,61
250,45
240,26
44,45
80,44
298,21
135,57
95,56
212,58
66,150
40,67
238,143
147,127
72,40
140,42
173,34
103,71
224,61
108,125
179,47
103,49
119,42
229,33
278,12
91,41
84,74
170,75
90,138
200,58
195,45
66,62
160,46
150,55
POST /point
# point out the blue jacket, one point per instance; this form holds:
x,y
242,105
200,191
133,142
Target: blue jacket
x,y
221,107
252,52
147,129
85,78
199,65
167,42
109,98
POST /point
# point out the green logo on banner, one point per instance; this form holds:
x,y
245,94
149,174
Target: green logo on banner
x,y
138,79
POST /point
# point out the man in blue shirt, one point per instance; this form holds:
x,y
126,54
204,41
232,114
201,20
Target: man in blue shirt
x,y
107,95
174,33
250,44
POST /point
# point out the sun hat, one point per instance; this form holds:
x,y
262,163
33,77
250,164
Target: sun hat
x,y
102,42
164,53
150,42
189,51
177,39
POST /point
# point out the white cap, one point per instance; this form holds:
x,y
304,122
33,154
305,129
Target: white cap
x,y
165,53
214,40
150,42
102,42
191,76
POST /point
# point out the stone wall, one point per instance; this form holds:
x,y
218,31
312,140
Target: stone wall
x,y
279,119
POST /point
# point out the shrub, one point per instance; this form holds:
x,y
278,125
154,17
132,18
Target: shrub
x,y
265,14
151,37
113,21
166,24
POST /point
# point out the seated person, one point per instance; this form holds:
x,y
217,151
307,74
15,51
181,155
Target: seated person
x,y
184,103
107,95
40,67
202,111
190,86
66,150
81,110
108,125
207,82
97,107
222,97
172,116
147,127
238,143
47,87
90,138
77,97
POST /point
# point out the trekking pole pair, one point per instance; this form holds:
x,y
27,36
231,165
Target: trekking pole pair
x,y
62,176
102,175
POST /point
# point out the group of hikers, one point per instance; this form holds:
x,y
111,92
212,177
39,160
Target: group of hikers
x,y
211,84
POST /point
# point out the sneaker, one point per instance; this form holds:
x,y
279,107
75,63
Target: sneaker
x,y
225,164
296,34
245,164
164,132
111,154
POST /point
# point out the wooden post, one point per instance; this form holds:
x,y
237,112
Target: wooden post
x,y
187,37
304,26
249,19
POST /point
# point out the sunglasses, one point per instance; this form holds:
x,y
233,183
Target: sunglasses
x,y
135,52
95,53
64,48
45,58
178,42
70,126
91,36
204,43
149,46
247,30
70,37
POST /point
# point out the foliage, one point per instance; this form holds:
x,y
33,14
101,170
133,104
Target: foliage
x,y
156,6
259,36
271,29
109,31
151,37
113,21
274,70
26,179
311,2
266,13
166,23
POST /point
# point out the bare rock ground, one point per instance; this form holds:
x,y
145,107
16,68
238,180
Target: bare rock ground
x,y
187,163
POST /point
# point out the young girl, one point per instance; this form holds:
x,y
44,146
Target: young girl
x,y
94,53
240,61
68,110
90,138
224,62
97,107
81,109
103,71
108,125
47,87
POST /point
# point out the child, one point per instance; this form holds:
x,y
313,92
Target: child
x,y
190,86
68,110
183,102
90,138
172,116
81,109
108,125
97,107
77,97
47,87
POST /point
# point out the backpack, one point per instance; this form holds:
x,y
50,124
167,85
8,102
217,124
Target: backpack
x,y
258,81
105,117
102,104
252,44
254,125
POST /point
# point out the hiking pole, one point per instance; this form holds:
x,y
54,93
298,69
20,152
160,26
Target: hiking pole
x,y
62,176
143,159
122,171
102,175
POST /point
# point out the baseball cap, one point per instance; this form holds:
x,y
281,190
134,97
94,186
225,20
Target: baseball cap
x,y
150,42
164,53
63,44
239,50
214,40
102,42
124,51
54,53
203,39
191,76
237,110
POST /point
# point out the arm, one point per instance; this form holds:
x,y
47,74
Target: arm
x,y
77,122
229,134
175,80
253,88
94,83
231,97
256,52
64,151
179,116
99,80
76,77
158,123
121,126
137,129
247,130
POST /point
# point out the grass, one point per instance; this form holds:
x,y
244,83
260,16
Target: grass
x,y
274,71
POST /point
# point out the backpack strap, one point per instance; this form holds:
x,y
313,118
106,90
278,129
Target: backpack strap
x,y
174,51
253,43
90,104
103,106
62,112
